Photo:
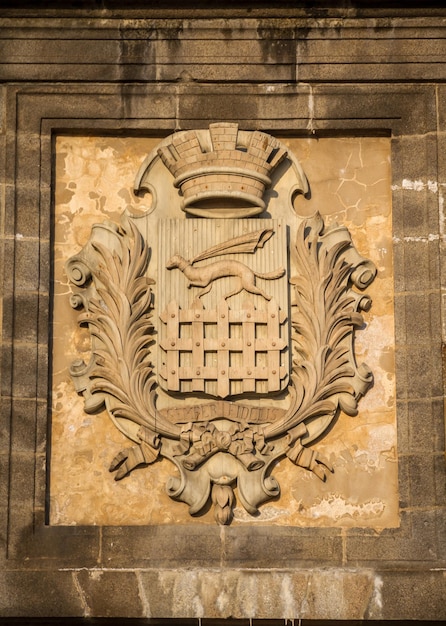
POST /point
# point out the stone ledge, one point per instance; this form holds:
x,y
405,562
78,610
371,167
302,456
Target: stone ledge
x,y
324,594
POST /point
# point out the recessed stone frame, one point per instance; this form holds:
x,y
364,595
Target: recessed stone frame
x,y
350,185
133,555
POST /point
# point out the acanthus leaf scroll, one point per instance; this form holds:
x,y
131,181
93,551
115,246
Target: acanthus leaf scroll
x,y
219,340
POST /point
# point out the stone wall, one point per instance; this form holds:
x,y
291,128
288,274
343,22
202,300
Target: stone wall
x,y
130,76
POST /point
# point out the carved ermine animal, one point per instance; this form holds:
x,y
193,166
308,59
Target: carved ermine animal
x,y
204,276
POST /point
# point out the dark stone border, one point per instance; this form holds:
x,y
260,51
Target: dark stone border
x,y
34,114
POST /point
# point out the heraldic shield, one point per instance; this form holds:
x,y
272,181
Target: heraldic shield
x,y
222,323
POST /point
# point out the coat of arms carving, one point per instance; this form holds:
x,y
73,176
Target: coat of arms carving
x,y
222,323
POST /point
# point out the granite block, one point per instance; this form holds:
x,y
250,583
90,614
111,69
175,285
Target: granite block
x,y
27,264
48,594
418,594
110,593
24,371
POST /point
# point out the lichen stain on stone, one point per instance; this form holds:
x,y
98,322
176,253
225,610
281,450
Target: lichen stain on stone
x,y
186,595
318,593
376,346
335,507
340,595
287,597
223,602
374,610
268,514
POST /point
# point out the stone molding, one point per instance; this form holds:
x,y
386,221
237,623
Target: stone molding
x,y
222,50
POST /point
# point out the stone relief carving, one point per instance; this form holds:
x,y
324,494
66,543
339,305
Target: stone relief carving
x,y
221,341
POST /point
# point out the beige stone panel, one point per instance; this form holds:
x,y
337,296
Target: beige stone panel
x,y
350,183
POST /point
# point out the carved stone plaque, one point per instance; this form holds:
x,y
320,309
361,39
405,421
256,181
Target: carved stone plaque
x,y
222,336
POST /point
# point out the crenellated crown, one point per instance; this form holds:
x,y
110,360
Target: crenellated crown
x,y
227,178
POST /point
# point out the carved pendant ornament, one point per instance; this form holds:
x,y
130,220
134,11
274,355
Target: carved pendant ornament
x,y
222,324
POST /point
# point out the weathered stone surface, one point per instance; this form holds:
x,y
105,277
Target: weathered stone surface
x,y
356,57
440,481
321,594
9,201
424,371
102,52
21,478
24,371
216,50
23,431
248,547
168,546
26,217
422,317
415,542
26,314
426,432
110,594
4,465
376,106
27,264
418,264
420,594
31,543
39,594
403,479
422,480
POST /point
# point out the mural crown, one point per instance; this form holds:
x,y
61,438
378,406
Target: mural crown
x,y
227,178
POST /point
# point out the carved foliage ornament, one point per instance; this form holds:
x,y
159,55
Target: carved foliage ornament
x,y
220,340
